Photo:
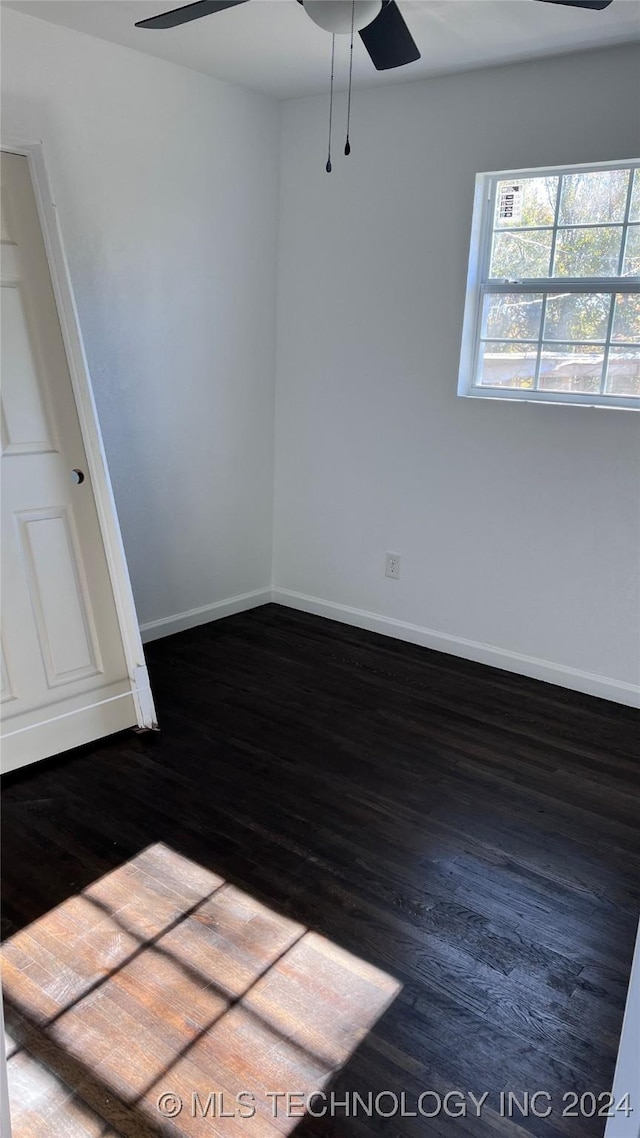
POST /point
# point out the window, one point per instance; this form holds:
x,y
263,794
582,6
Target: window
x,y
553,294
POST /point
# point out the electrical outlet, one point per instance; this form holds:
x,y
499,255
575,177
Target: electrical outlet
x,y
392,566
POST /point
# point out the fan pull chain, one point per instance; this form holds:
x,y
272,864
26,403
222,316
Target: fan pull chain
x,y
333,59
347,145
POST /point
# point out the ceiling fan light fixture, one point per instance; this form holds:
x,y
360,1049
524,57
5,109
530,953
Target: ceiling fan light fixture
x,y
335,15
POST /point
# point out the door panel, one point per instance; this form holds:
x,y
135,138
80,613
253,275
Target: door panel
x,y
59,596
5,683
64,664
24,419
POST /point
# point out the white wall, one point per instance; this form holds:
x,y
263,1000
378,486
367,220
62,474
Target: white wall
x,y
166,185
518,525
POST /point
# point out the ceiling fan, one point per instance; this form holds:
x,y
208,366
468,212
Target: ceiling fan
x,y
379,23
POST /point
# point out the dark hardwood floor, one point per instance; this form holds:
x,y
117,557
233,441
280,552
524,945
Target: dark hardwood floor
x,y
345,863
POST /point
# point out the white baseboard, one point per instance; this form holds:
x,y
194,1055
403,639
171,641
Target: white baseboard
x,y
167,625
590,683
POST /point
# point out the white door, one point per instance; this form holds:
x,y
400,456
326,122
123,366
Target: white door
x,y
64,674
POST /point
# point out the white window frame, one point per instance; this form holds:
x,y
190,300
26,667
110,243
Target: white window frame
x,y
478,283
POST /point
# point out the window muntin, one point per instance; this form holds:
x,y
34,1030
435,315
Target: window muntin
x,y
558,294
634,211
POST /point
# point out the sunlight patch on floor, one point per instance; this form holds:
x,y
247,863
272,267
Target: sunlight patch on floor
x,y
161,979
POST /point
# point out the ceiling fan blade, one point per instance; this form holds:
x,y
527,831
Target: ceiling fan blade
x,y
597,5
187,13
388,39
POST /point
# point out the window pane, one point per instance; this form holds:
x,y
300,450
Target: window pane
x,y
587,252
634,212
570,367
623,372
516,256
507,365
526,201
626,318
631,267
594,197
512,316
577,316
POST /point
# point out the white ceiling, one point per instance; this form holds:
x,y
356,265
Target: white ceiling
x,y
272,46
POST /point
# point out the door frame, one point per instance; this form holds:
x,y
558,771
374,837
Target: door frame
x,y
33,151
627,1075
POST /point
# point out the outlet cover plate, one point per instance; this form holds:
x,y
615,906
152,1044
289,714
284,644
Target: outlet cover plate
x,y
392,566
